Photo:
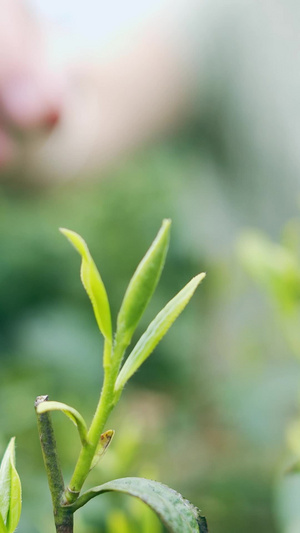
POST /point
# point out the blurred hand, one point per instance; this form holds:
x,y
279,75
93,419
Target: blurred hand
x,y
29,93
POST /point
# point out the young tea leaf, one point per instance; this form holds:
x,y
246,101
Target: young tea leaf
x,y
2,525
142,286
70,412
155,332
176,513
92,283
10,490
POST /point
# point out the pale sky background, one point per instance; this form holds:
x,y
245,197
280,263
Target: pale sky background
x,y
89,26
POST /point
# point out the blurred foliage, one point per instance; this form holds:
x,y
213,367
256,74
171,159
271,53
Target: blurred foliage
x,y
207,413
276,268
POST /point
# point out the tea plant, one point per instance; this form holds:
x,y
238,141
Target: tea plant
x,y
175,512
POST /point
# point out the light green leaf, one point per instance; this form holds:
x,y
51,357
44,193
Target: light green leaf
x,y
2,525
273,266
92,283
155,332
70,412
176,513
103,444
142,286
10,490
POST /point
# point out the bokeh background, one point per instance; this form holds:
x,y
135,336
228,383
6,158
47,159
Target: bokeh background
x,y
213,413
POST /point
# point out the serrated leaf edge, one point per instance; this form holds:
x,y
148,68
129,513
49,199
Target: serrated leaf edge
x,y
109,487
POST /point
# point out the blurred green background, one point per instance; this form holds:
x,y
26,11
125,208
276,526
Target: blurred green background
x,y
209,413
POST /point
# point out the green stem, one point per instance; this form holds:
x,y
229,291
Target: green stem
x,y
63,517
107,354
87,453
105,405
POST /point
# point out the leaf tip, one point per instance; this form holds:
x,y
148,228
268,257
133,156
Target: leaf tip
x,y
76,240
70,234
11,447
166,223
67,233
165,228
196,280
200,277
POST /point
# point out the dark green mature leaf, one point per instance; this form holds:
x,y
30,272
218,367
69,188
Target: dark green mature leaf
x,y
70,412
155,331
92,283
176,513
142,286
10,490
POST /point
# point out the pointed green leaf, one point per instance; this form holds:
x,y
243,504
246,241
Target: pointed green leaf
x,y
15,500
2,525
104,443
155,331
176,513
70,412
92,283
10,490
142,286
